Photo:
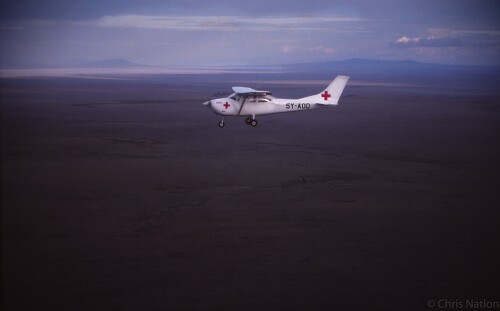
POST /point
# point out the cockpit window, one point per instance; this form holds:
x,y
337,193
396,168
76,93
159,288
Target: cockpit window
x,y
251,99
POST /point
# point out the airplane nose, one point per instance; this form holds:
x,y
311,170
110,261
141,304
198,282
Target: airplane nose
x,y
209,104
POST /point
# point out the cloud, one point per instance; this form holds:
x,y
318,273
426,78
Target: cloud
x,y
322,49
428,42
225,23
440,32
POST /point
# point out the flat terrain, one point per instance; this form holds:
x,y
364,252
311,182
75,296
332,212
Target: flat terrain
x,y
123,194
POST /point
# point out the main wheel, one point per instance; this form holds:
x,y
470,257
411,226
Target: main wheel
x,y
221,124
254,123
248,121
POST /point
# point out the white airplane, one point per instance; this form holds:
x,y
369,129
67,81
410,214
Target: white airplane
x,y
247,102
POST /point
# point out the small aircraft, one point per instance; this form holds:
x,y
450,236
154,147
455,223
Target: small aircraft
x,y
247,102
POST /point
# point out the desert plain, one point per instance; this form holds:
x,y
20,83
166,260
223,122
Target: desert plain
x,y
122,193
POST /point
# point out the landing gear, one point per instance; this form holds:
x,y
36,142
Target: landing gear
x,y
251,121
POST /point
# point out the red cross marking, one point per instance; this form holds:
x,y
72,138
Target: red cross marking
x,y
226,105
325,95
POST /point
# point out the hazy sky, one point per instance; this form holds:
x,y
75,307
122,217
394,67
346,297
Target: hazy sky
x,y
246,32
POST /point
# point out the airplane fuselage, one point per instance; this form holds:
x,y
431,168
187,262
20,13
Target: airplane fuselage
x,y
247,102
259,106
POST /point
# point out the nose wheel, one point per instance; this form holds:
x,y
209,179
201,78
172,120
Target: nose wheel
x,y
221,123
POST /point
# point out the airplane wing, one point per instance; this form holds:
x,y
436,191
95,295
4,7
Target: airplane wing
x,y
248,91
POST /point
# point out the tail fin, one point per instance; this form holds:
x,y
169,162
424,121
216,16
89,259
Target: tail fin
x,y
331,95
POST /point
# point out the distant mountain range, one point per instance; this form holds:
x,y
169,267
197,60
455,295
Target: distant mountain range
x,y
110,63
385,66
349,66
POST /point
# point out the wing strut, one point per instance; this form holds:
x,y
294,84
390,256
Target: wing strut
x,y
243,103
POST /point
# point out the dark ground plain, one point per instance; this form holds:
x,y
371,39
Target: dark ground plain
x,y
125,195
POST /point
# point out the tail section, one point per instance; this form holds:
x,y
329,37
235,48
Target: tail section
x,y
331,95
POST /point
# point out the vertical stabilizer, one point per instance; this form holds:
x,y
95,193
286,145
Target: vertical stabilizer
x,y
331,95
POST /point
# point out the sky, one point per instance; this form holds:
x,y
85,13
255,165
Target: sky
x,y
243,32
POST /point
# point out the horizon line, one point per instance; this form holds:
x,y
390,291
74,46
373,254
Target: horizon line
x,y
131,65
